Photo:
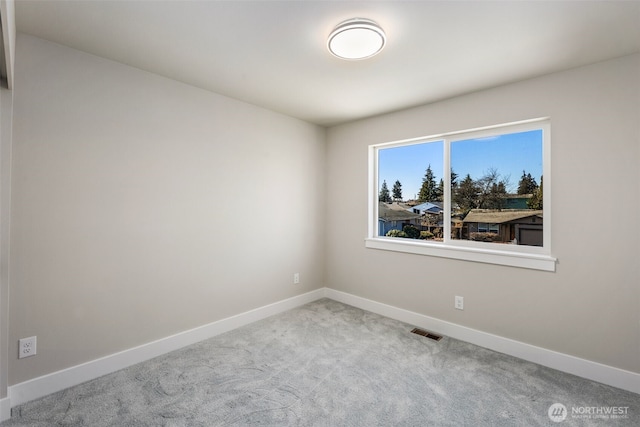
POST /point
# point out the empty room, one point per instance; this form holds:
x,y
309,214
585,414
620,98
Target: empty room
x,y
319,213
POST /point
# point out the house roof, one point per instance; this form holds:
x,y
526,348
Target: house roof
x,y
395,212
518,196
431,207
498,217
396,206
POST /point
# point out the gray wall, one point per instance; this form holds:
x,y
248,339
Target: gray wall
x,y
590,307
143,207
6,112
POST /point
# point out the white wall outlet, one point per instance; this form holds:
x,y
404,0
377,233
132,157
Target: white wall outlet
x,y
459,303
26,347
296,278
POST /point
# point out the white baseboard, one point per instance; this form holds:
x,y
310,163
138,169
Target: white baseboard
x,y
609,375
5,409
60,380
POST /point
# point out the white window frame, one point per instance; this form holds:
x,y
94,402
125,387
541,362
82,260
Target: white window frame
x,y
532,257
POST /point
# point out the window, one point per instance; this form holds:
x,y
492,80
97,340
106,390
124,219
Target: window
x,y
475,195
484,227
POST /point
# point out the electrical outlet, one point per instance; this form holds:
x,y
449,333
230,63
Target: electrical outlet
x,y
459,303
296,278
26,347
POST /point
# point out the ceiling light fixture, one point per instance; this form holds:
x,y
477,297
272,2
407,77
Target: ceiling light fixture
x,y
356,38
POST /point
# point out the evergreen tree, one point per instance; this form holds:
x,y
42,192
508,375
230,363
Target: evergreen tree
x,y
384,193
466,194
527,184
439,196
439,193
428,191
535,202
397,191
454,179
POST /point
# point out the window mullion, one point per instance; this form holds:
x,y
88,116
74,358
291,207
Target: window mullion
x,y
446,214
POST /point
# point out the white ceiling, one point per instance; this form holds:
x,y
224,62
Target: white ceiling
x,y
273,53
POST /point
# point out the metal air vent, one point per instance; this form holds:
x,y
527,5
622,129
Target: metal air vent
x,y
427,334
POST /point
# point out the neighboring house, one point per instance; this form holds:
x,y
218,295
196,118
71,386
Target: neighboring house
x,y
394,216
431,213
431,208
516,201
524,226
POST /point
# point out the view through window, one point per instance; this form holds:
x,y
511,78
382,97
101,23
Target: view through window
x,y
479,186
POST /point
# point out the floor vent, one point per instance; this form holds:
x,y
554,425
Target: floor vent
x,y
427,334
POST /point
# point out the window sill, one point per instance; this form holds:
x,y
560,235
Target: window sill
x,y
489,256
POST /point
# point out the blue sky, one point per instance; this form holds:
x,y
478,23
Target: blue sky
x,y
509,154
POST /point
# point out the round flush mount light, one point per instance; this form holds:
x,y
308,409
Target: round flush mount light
x,y
356,38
